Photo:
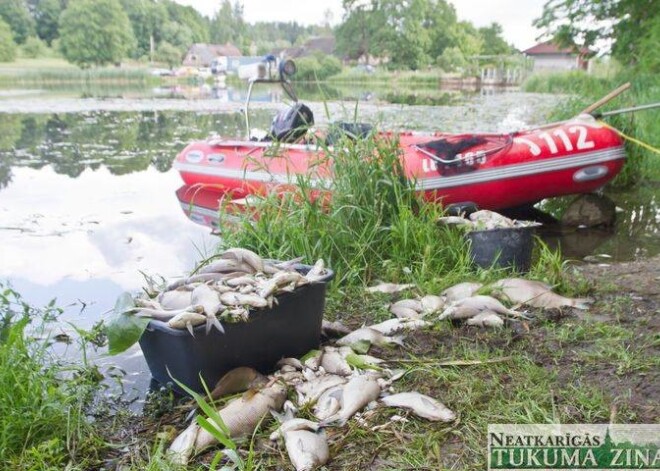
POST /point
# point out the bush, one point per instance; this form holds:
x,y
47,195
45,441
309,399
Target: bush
x,y
169,54
34,47
7,44
318,67
451,60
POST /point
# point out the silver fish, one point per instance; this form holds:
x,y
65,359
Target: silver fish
x,y
413,304
486,319
389,288
485,219
310,391
460,291
470,307
334,329
294,362
241,281
405,312
317,271
291,425
313,361
246,256
334,363
392,326
243,414
432,304
361,339
198,278
162,314
237,380
356,394
307,450
175,299
208,298
239,299
280,280
329,403
457,220
183,445
536,294
187,320
421,405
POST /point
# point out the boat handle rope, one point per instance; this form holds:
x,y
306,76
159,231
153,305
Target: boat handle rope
x,y
630,138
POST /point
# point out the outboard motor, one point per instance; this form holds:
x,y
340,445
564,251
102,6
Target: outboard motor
x,y
290,125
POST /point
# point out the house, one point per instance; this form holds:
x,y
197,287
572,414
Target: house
x,y
323,45
548,56
201,55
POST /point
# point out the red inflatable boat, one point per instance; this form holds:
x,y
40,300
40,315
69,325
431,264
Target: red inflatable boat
x,y
493,171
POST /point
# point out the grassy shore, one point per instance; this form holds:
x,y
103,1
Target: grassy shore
x,y
644,125
392,78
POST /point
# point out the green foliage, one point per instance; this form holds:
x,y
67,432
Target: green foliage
x,y
586,89
42,401
34,47
190,19
7,45
17,15
228,26
317,67
370,225
147,20
169,54
626,23
47,15
451,60
492,41
95,32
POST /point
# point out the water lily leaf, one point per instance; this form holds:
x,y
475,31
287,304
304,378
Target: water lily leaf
x,y
124,329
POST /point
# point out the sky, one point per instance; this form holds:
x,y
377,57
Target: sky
x,y
515,16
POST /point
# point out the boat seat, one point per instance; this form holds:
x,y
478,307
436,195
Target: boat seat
x,y
290,125
343,129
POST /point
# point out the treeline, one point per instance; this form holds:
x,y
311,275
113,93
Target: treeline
x,y
414,33
99,32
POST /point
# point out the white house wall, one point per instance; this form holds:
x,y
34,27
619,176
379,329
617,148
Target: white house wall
x,y
555,62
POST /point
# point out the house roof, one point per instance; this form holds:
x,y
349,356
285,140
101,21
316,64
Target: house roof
x,y
208,52
548,47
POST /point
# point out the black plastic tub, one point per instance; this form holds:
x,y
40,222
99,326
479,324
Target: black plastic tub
x,y
502,248
291,328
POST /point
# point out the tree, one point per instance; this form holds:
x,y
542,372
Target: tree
x,y
589,23
95,32
7,45
492,40
47,15
228,25
17,15
169,54
33,47
147,19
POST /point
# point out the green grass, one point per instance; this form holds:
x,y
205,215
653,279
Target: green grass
x,y
43,423
644,125
390,78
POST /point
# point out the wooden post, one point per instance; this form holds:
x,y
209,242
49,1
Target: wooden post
x,y
609,97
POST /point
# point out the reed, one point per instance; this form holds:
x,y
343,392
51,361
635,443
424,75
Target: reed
x,y
645,125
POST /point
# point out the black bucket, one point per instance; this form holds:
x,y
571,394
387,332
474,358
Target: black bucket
x,y
502,248
291,328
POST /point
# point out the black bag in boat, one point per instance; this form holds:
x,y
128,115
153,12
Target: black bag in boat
x,y
290,125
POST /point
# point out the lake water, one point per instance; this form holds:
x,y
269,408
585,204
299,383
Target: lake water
x,y
87,193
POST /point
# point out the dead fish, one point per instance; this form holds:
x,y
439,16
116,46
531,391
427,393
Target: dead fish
x,y
150,303
328,404
313,359
208,298
356,394
334,363
237,380
486,319
317,271
361,339
246,256
307,450
460,291
405,312
470,307
485,219
536,294
334,329
413,304
421,405
183,445
240,281
175,299
455,220
291,425
198,278
280,280
240,299
162,314
432,304
243,414
224,266
187,320
294,362
310,391
389,288
392,326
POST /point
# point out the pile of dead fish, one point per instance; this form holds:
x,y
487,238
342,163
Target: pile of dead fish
x,y
224,289
333,384
484,220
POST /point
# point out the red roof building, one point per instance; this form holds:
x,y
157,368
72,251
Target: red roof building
x,y
549,57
